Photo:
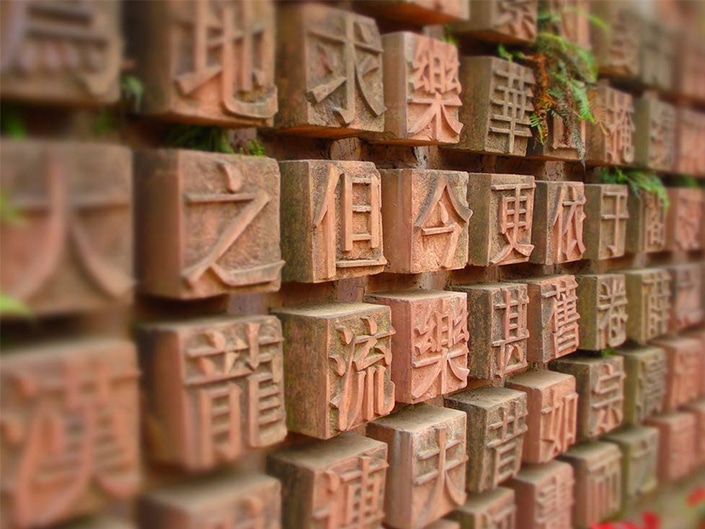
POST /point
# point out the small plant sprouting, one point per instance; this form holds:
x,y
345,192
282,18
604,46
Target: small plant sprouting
x,y
683,181
132,89
254,148
608,351
200,138
448,36
638,181
9,306
11,123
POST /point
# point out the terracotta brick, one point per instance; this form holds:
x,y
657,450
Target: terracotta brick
x,y
697,408
222,214
497,423
605,228
336,366
699,335
495,20
252,500
62,52
600,384
639,446
425,219
331,220
206,62
611,142
426,453
598,482
99,522
649,307
544,495
443,524
559,212
690,67
552,318
685,361
214,388
553,409
418,12
70,423
677,444
71,249
329,71
646,229
687,294
657,54
431,342
421,91
691,136
655,136
645,382
503,208
338,483
559,143
684,219
498,329
496,115
495,509
602,305
617,50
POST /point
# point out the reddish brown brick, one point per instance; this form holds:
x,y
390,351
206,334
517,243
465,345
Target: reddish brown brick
x,y
645,382
602,305
443,524
655,136
646,229
566,19
617,50
684,220
418,12
495,509
639,446
677,444
691,136
611,142
685,361
699,335
649,307
687,295
500,21
657,53
559,144
606,221
697,408
690,67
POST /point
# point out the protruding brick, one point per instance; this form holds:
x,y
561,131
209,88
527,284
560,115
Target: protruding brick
x,y
500,21
691,136
611,142
331,220
214,388
567,19
645,382
503,208
606,223
71,248
655,136
646,229
639,446
329,71
498,329
699,335
497,423
495,509
552,318
602,305
426,454
418,12
336,366
649,307
616,51
684,220
425,219
657,53
430,343
677,444
208,224
598,482
70,423
560,144
690,66
553,409
687,295
685,361
697,408
244,499
339,483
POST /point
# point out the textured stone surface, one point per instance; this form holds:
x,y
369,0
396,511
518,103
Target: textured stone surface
x,y
606,221
684,219
496,20
611,142
690,67
697,408
566,19
616,51
559,143
645,382
657,53
419,12
677,444
691,136
649,307
655,136
426,454
602,305
687,295
646,228
639,446
685,369
495,509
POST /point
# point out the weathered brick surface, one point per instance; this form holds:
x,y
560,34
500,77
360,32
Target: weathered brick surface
x,y
646,227
649,307
602,305
419,12
687,295
645,383
616,51
612,141
697,408
639,446
684,220
677,444
655,136
605,225
691,135
685,369
494,509
495,20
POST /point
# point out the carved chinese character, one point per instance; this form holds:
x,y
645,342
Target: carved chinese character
x,y
561,144
649,307
611,140
684,372
417,12
699,335
501,20
332,222
691,136
639,446
209,224
553,408
215,388
617,50
655,136
430,344
602,305
676,445
697,408
495,509
646,229
690,73
567,19
496,117
657,54
684,220
230,501
70,430
71,249
341,480
61,51
687,295
645,383
425,219
329,71
606,225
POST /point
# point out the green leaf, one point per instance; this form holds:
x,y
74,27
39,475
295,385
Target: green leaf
x,y
504,54
132,89
9,306
12,125
9,213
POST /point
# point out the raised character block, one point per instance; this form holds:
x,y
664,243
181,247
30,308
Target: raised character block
x,y
657,53
691,135
649,307
677,444
418,12
616,51
602,305
684,220
495,509
697,408
690,66
501,21
655,136
686,295
646,229
606,221
611,142
639,446
685,369
645,382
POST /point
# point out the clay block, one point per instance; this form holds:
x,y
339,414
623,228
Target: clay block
x,y
421,91
646,229
418,12
685,369
214,388
639,446
553,409
602,305
657,54
544,495
697,408
221,212
598,482
329,71
655,136
62,52
431,342
426,453
645,383
234,500
691,136
559,212
606,221
71,248
552,317
616,51
336,366
498,329
497,423
684,220
495,509
70,423
503,208
567,19
600,384
677,444
425,219
687,295
699,334
331,220
338,483
649,307
443,524
496,107
611,142
500,21
206,62
559,143
690,73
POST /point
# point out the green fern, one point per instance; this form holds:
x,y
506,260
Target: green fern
x,y
10,306
210,139
132,89
449,37
254,148
683,181
504,53
608,351
638,182
12,124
